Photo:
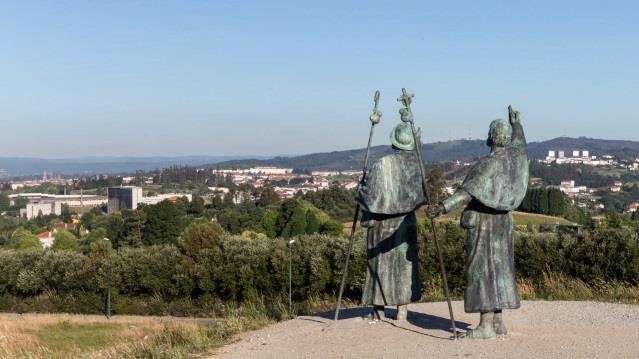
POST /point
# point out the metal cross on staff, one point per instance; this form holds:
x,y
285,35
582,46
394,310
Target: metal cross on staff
x,y
407,116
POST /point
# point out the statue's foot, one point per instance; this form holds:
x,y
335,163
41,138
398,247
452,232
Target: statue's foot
x,y
500,329
371,317
487,332
402,312
498,323
376,314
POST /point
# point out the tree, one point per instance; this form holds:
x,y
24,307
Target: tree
x,y
543,201
200,235
613,219
556,202
435,183
284,214
65,241
332,228
65,214
133,227
268,223
4,202
268,197
163,224
21,202
313,224
216,201
23,239
99,234
297,223
88,218
115,229
197,206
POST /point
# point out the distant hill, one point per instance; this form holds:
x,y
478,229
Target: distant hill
x,y
25,167
463,150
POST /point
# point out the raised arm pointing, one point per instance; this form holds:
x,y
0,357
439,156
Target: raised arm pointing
x,y
518,137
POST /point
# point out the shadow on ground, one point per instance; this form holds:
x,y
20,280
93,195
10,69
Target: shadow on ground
x,y
417,319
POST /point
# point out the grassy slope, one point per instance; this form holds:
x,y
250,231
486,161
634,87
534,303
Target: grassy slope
x,y
521,218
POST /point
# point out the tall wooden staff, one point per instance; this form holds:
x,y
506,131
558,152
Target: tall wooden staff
x,y
374,118
406,99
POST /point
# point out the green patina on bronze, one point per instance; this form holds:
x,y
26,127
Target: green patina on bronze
x,y
494,187
389,199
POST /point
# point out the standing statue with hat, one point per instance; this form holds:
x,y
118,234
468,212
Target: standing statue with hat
x,y
391,194
494,187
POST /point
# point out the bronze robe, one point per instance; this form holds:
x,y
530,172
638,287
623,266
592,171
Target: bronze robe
x,y
494,187
392,193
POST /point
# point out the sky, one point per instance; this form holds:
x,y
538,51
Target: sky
x,y
174,78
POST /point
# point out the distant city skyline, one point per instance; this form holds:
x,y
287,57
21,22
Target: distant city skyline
x,y
142,78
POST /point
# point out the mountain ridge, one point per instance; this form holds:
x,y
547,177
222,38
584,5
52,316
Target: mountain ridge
x,y
461,149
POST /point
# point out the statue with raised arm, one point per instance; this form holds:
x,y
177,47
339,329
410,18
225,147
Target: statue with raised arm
x,y
389,198
494,187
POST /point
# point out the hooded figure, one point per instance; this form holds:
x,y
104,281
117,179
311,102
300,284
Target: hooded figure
x,y
389,198
494,187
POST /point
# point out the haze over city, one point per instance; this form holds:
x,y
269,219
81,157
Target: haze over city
x,y
265,78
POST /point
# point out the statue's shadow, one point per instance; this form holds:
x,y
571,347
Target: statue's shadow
x,y
415,320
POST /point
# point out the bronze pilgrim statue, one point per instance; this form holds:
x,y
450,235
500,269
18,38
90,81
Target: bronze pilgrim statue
x,y
494,187
389,198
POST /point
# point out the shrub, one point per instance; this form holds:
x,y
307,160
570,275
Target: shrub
x,y
65,241
213,266
22,239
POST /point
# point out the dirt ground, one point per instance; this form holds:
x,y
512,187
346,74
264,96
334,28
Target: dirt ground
x,y
537,330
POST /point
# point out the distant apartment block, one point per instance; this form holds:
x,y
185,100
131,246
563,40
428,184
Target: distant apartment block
x,y
578,157
124,197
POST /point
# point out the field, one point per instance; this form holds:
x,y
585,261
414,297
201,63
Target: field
x,y
89,336
521,218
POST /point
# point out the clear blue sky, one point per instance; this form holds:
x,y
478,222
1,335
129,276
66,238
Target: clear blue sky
x,y
86,78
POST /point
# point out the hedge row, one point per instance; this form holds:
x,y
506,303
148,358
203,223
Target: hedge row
x,y
235,267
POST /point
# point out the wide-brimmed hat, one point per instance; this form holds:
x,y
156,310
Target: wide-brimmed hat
x,y
402,137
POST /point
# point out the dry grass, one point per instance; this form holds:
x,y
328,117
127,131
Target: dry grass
x,y
67,336
560,287
88,336
555,287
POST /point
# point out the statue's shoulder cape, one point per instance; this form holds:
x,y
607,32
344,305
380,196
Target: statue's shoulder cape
x,y
393,186
500,180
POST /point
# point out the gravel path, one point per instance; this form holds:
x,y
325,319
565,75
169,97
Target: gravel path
x,y
537,330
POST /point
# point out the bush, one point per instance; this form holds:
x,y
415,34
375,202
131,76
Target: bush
x,y
212,267
23,239
65,241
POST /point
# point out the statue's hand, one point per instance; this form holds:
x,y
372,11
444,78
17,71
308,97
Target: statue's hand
x,y
368,223
375,117
513,115
406,114
436,211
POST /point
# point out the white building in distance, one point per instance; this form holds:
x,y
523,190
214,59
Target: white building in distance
x,y
578,157
164,197
570,189
41,208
